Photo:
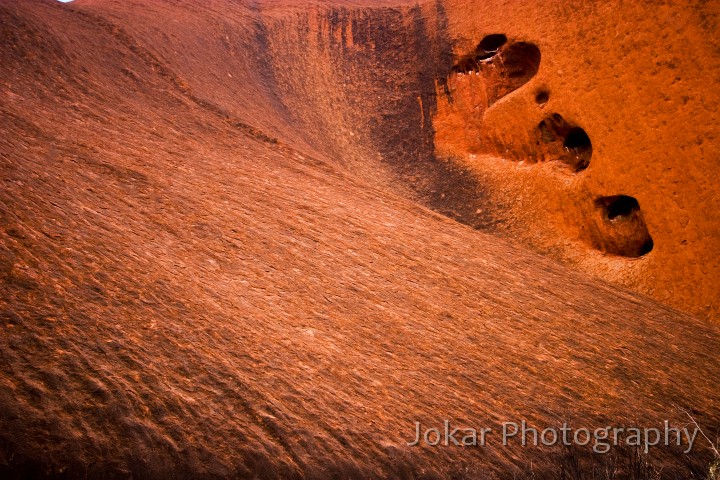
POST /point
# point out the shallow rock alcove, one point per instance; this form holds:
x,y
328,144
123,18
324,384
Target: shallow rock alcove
x,y
620,228
557,139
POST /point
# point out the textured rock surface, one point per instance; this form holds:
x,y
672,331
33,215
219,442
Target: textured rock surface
x,y
637,79
214,263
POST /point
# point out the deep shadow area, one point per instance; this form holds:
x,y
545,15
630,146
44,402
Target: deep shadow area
x,y
619,206
579,142
559,140
403,132
622,230
490,45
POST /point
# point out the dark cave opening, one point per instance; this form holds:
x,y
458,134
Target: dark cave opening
x,y
622,230
577,139
490,45
578,143
619,206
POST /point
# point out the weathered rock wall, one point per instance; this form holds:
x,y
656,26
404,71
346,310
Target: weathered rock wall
x,y
588,133
639,81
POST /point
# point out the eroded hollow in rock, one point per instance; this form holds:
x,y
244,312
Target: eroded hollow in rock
x,y
522,61
619,206
559,140
577,140
542,97
505,66
512,68
620,228
490,45
487,48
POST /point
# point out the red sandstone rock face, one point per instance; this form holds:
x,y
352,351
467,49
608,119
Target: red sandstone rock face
x,y
213,261
620,98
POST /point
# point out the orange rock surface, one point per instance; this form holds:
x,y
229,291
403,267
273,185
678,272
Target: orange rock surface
x,y
638,81
235,237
